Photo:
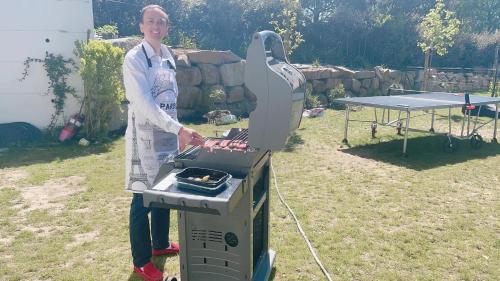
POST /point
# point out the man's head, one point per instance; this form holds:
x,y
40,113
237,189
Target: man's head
x,y
154,23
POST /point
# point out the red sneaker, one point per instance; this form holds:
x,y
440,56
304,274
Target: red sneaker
x,y
172,249
149,272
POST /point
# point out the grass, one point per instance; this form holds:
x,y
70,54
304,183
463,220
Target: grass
x,y
370,213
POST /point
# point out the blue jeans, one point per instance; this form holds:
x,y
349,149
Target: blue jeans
x,y
141,239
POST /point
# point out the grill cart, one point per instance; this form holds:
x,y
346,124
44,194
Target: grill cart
x,y
221,189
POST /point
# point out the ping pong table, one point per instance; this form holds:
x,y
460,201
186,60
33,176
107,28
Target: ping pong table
x,y
420,102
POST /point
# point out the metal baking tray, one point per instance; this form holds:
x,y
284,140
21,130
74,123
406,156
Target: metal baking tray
x,y
202,180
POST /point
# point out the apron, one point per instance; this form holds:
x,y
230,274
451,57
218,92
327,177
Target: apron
x,y
155,146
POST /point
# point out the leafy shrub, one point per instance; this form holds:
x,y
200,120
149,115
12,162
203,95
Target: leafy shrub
x,y
107,31
312,101
101,65
187,42
216,98
335,93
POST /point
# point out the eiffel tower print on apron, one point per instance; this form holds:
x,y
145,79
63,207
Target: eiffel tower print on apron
x,y
138,179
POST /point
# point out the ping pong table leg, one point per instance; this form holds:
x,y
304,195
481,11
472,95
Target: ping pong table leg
x,y
406,132
495,127
432,121
346,124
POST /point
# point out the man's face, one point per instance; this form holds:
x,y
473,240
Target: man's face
x,y
154,25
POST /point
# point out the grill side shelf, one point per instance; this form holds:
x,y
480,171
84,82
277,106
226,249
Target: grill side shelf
x,y
167,194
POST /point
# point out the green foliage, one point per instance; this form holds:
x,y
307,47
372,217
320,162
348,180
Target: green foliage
x,y
316,62
335,93
101,66
311,101
215,99
354,33
478,15
285,24
438,29
187,42
107,31
57,69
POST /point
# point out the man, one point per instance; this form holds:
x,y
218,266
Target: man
x,y
153,137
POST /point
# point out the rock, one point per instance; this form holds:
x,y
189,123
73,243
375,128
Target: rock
x,y
189,97
375,92
385,87
363,92
375,83
187,113
485,83
364,75
319,72
319,86
356,85
182,60
420,76
188,76
233,74
347,84
366,83
235,94
395,75
344,72
125,43
332,83
209,73
212,57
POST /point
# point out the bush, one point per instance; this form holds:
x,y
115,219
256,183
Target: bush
x,y
107,31
312,101
216,99
335,93
101,70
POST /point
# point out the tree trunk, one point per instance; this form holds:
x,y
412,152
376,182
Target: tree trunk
x,y
426,70
494,89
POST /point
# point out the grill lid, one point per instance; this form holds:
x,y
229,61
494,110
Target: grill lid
x,y
280,91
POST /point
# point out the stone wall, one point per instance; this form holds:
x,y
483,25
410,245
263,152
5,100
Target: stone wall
x,y
378,80
199,72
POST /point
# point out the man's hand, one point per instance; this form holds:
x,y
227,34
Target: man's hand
x,y
189,136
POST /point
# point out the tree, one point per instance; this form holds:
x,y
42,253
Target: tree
x,y
437,31
484,40
482,20
318,10
285,24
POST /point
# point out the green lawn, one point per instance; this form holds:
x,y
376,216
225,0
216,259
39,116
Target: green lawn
x,y
370,213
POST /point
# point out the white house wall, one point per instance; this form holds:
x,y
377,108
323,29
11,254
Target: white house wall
x,y
30,28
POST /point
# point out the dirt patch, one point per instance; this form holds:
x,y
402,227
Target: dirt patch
x,y
82,238
5,241
9,177
50,196
41,231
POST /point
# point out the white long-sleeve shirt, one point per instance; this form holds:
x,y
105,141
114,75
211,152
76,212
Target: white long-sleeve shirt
x,y
151,136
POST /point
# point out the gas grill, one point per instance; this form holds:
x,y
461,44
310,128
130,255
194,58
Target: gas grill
x,y
224,236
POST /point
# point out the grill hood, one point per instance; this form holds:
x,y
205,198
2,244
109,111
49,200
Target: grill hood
x,y
280,91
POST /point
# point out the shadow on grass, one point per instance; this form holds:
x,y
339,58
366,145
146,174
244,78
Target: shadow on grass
x,y
273,274
28,154
293,142
423,153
